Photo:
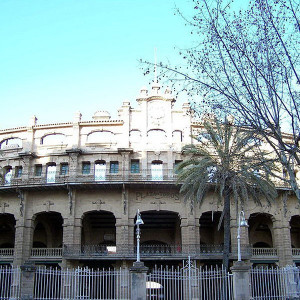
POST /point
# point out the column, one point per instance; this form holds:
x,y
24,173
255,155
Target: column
x,y
73,163
23,240
282,242
122,236
190,237
27,281
138,281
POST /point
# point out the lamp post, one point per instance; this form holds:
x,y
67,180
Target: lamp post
x,y
242,223
138,222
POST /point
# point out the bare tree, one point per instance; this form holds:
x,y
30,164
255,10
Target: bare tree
x,y
246,63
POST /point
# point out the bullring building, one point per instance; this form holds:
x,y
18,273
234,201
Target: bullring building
x,y
70,193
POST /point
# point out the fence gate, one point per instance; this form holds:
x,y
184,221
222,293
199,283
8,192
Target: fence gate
x,y
189,283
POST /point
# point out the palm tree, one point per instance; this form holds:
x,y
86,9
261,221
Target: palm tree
x,y
227,159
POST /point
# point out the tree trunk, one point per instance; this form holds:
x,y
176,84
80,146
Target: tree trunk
x,y
226,249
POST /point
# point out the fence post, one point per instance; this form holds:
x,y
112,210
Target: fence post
x,y
138,281
241,280
27,280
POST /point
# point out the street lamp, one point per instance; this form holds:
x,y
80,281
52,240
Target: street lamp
x,y
242,223
138,222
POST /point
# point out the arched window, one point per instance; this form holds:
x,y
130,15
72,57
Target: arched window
x,y
135,136
177,136
156,136
53,139
7,175
101,137
11,143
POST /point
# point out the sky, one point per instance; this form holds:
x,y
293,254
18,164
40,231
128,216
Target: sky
x,y
62,56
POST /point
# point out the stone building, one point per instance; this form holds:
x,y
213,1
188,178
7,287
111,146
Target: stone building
x,y
71,192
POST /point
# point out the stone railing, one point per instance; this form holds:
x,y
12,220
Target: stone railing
x,y
46,252
6,252
264,252
296,252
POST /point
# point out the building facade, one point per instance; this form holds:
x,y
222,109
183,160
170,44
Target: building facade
x,y
71,191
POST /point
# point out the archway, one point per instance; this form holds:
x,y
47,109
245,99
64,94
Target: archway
x,y
260,230
98,228
7,231
211,234
160,229
295,231
48,230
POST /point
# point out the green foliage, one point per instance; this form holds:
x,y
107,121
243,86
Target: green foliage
x,y
227,159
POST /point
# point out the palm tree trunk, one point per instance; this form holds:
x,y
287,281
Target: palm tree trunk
x,y
226,249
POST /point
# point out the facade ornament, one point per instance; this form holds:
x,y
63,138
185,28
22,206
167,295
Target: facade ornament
x,y
21,204
3,206
98,204
124,196
70,195
48,205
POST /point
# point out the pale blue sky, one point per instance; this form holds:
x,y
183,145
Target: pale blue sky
x,y
61,56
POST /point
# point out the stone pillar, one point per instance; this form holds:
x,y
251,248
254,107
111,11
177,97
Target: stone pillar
x,y
27,281
71,239
241,281
282,242
131,234
122,236
138,281
23,240
73,163
190,237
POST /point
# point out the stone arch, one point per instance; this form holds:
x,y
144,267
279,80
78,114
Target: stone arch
x,y
11,143
162,226
261,229
295,231
101,137
98,228
53,139
177,136
47,229
208,228
135,136
7,230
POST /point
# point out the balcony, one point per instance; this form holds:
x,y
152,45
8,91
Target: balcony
x,y
296,252
146,251
6,254
46,253
76,176
264,253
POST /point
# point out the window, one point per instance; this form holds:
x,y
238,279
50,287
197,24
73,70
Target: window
x,y
8,175
100,170
38,170
86,168
177,162
114,167
64,168
135,166
18,173
51,172
157,170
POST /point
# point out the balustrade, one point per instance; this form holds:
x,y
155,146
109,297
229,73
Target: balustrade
x,y
6,252
46,252
296,252
262,252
